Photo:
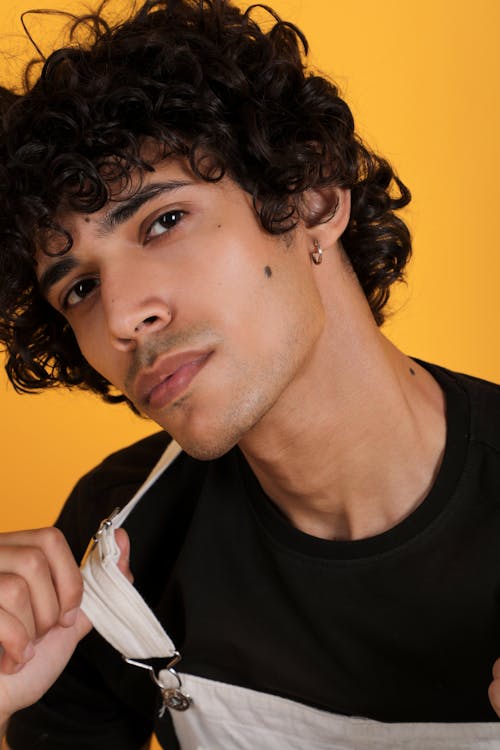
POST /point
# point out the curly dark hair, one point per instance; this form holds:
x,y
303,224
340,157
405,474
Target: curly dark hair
x,y
210,85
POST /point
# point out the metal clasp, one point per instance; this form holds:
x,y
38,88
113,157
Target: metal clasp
x,y
105,524
172,697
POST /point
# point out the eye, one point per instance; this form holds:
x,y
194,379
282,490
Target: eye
x,y
164,223
79,292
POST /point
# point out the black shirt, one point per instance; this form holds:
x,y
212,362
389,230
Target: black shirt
x,y
404,626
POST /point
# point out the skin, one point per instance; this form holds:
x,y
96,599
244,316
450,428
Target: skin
x,y
135,321
190,270
40,619
271,339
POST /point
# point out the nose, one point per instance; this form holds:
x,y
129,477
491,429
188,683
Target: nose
x,y
134,306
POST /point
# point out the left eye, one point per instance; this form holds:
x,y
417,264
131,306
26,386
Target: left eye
x,y
79,292
164,223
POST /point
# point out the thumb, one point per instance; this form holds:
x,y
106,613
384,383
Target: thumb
x,y
123,542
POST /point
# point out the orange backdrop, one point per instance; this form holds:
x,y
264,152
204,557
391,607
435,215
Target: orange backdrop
x,y
423,81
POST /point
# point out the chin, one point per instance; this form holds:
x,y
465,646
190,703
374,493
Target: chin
x,y
207,434
199,436
205,449
207,439
204,452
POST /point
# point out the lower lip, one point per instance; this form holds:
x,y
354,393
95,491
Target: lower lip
x,y
171,388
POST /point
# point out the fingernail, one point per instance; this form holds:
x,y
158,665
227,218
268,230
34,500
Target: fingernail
x,y
28,653
69,618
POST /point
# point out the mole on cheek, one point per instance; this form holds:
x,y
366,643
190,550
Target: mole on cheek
x,y
268,271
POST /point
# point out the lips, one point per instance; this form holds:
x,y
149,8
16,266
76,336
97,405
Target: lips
x,y
168,378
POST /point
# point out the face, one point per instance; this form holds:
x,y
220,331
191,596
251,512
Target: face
x,y
179,298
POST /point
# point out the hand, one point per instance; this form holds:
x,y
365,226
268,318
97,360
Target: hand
x,y
494,689
40,621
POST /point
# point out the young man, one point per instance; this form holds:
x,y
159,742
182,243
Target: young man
x,y
189,219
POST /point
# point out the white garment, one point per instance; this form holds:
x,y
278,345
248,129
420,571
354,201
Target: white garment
x,y
228,717
112,604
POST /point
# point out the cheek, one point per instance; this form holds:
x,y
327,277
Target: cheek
x,y
278,314
95,348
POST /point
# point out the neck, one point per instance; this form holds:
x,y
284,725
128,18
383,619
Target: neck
x,y
355,443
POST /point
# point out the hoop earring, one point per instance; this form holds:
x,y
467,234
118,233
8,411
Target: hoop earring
x,y
317,254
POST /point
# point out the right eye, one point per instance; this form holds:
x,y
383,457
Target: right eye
x,y
79,291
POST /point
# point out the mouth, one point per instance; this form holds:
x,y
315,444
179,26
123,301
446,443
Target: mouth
x,y
168,378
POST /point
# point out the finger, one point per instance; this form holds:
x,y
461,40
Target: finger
x,y
29,566
15,600
494,695
8,665
64,571
494,688
496,670
17,647
123,542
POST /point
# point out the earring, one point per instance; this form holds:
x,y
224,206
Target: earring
x,y
317,254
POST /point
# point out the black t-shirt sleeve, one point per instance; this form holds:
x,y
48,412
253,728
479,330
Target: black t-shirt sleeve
x,y
98,702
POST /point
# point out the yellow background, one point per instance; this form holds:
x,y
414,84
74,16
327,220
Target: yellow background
x,y
423,81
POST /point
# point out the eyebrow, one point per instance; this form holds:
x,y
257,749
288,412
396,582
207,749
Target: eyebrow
x,y
127,208
54,273
116,216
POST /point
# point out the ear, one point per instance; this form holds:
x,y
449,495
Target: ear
x,y
326,212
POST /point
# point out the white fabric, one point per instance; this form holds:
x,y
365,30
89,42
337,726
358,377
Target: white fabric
x,y
112,604
228,717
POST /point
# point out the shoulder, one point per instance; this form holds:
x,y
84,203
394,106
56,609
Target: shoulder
x,y
483,398
485,410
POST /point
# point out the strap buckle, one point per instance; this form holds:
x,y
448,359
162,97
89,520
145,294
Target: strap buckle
x,y
173,697
105,524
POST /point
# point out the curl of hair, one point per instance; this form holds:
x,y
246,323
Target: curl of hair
x,y
205,82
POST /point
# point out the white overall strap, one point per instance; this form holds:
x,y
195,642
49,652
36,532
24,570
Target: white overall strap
x,y
168,456
115,608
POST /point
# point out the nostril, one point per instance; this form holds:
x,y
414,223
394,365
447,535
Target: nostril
x,y
146,322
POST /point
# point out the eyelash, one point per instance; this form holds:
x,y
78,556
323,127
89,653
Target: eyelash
x,y
175,215
66,304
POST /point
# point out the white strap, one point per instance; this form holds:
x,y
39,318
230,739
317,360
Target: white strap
x,y
169,455
115,608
